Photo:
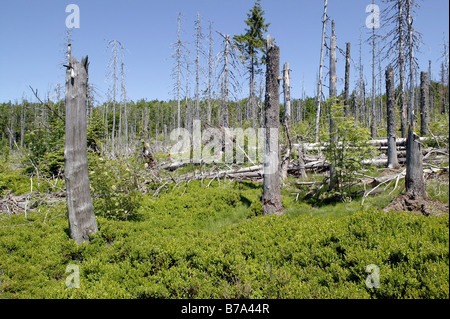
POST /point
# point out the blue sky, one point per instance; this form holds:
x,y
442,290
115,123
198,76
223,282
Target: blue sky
x,y
32,37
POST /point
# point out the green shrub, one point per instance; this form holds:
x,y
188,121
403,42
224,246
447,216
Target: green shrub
x,y
350,148
115,187
13,182
181,248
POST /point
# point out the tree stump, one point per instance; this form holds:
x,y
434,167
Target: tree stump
x,y
271,198
82,221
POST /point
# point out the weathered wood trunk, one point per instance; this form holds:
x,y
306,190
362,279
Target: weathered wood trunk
x,y
82,221
286,120
373,122
414,182
209,74
333,95
301,161
226,81
271,197
179,72
424,103
319,94
347,81
411,113
401,65
391,123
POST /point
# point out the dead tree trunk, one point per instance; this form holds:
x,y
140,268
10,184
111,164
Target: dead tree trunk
x,y
82,221
333,94
414,182
178,55
209,74
373,122
319,92
424,103
225,100
271,197
401,65
197,69
347,81
391,123
301,161
286,119
411,65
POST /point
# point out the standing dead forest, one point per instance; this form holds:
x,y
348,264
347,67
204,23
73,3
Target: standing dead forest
x,y
235,188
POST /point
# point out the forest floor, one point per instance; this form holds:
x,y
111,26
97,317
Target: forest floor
x,y
425,206
208,239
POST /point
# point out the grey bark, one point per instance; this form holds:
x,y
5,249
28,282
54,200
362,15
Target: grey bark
x,y
424,103
391,123
333,94
411,64
319,93
414,181
430,91
22,123
373,127
271,197
178,54
360,110
197,66
209,73
82,221
225,101
114,98
347,80
286,119
401,63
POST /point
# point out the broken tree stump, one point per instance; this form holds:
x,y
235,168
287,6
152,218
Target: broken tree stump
x,y
80,210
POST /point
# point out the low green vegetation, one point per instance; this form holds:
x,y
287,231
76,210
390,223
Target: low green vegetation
x,y
200,241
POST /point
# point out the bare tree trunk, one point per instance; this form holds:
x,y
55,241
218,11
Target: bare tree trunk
x,y
252,111
11,127
401,63
333,94
261,113
188,111
380,85
430,91
179,72
82,221
347,80
414,182
125,115
442,93
271,197
360,110
225,100
319,93
301,161
391,123
210,73
373,122
197,66
286,120
424,103
412,72
22,123
114,97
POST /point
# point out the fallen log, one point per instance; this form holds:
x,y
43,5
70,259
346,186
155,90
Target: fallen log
x,y
377,143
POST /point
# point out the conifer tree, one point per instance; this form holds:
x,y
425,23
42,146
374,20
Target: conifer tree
x,y
251,44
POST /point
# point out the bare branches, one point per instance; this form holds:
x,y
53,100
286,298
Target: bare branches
x,y
45,104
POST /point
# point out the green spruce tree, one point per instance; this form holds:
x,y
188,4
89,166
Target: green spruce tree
x,y
251,44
